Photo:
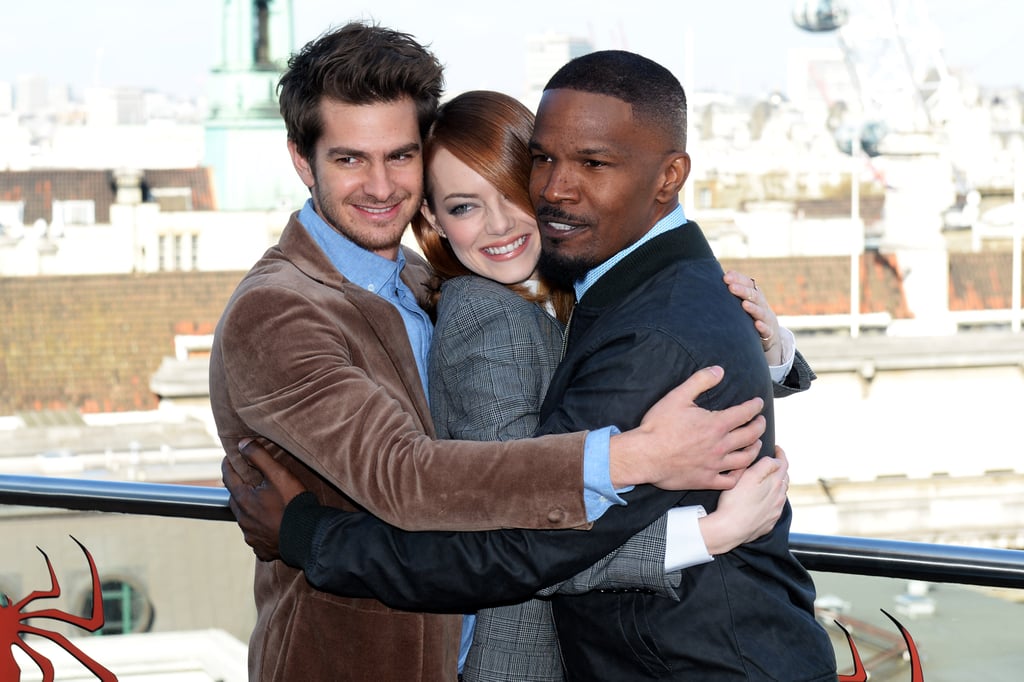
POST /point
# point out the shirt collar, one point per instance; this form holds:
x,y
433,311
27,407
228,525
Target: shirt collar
x,y
364,268
676,218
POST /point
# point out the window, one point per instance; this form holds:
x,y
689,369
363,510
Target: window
x,y
172,198
177,252
125,608
74,212
161,256
195,252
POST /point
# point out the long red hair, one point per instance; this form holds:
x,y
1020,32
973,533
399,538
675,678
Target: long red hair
x,y
489,132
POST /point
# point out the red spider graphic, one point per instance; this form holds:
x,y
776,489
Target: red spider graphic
x,y
12,626
860,674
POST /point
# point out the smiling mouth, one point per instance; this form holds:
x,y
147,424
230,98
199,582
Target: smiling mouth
x,y
557,222
374,211
507,248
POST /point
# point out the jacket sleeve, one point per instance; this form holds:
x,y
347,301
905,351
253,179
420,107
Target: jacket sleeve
x,y
356,555
359,556
798,380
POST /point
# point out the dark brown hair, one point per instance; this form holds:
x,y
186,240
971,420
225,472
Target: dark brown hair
x,y
356,64
490,133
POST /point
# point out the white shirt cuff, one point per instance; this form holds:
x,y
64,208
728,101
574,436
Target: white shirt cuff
x,y
780,372
684,545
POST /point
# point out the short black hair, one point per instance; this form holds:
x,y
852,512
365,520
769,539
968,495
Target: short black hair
x,y
655,95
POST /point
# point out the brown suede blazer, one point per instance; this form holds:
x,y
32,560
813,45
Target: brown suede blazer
x,y
323,372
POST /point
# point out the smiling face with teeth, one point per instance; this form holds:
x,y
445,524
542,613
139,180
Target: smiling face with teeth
x,y
489,233
601,178
366,172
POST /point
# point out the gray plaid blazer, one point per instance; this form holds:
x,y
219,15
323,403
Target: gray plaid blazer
x,y
490,364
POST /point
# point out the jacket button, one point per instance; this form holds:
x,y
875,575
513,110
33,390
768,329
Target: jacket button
x,y
556,515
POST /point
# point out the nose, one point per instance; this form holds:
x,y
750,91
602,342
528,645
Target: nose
x,y
503,218
378,182
556,184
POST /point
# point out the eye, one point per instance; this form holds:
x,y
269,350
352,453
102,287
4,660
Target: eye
x,y
539,159
403,157
460,209
594,163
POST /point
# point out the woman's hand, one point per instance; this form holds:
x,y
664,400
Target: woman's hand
x,y
751,508
756,305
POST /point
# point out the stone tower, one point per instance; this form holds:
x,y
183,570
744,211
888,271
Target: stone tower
x,y
245,137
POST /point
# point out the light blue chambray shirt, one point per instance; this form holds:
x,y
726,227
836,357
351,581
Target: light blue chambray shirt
x,y
377,275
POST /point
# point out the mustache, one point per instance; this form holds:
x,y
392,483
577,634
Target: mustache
x,y
547,212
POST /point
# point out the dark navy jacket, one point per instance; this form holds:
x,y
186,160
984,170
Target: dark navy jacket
x,y
649,323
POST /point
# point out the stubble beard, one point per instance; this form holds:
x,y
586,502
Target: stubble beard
x,y
561,270
372,239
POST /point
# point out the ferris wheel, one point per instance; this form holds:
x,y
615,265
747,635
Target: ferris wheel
x,y
893,53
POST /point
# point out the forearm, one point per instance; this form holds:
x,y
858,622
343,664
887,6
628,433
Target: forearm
x,y
356,555
637,564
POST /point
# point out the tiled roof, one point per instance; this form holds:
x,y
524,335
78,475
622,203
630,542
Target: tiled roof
x,y
93,343
980,281
821,285
40,188
871,206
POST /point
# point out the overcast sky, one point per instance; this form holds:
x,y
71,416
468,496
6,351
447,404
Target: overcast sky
x,y
739,45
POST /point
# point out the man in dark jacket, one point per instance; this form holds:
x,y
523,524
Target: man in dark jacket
x,y
610,160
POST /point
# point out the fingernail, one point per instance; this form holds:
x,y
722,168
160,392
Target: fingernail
x,y
244,443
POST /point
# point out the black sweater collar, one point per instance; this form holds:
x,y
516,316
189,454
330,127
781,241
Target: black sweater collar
x,y
684,243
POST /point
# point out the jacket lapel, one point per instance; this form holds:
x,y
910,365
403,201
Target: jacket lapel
x,y
303,252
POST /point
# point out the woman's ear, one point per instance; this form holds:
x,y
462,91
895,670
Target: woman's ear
x,y
432,219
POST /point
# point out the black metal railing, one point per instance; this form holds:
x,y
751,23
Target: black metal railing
x,y
827,553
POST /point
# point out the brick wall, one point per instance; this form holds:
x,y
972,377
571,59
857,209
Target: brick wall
x,y
92,343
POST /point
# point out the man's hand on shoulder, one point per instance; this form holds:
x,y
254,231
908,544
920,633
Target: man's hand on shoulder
x,y
680,446
259,509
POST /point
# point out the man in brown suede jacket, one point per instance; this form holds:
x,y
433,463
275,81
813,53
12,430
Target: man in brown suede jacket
x,y
319,355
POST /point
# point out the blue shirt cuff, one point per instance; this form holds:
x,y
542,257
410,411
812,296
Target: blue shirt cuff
x,y
598,493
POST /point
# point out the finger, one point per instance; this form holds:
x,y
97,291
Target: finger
x,y
737,416
697,383
740,459
236,511
228,474
738,435
765,468
256,455
726,480
738,278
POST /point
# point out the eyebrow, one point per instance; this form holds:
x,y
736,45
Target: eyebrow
x,y
585,151
359,153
